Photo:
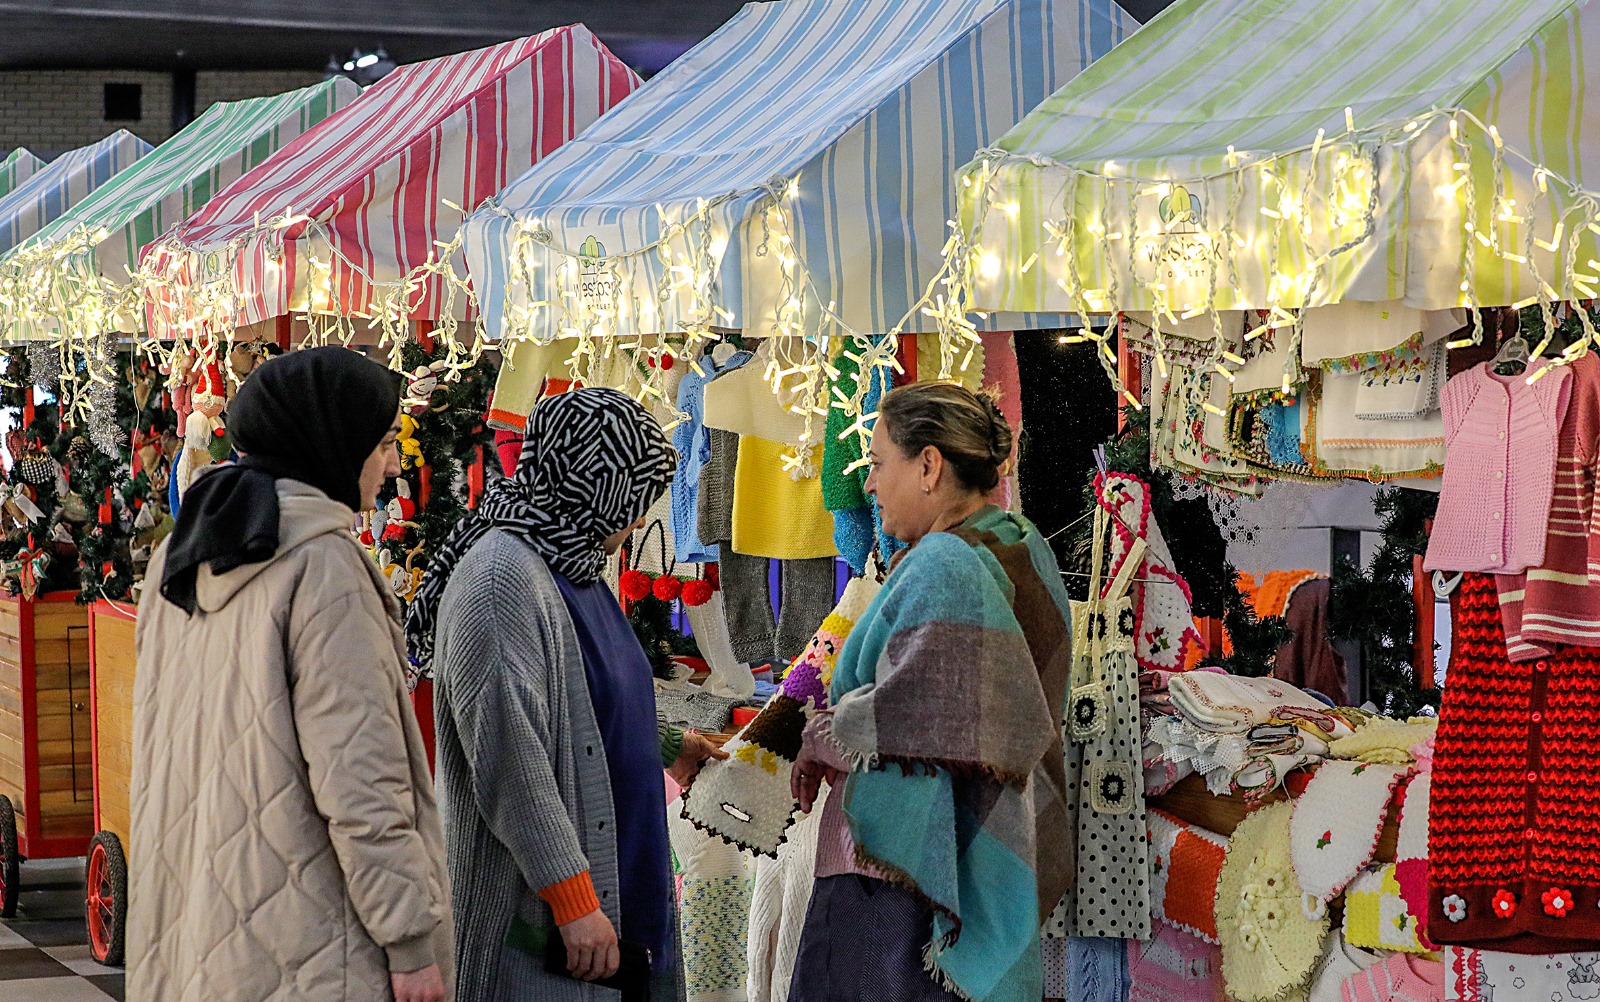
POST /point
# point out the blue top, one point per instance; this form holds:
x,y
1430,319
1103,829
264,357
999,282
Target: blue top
x,y
693,441
622,689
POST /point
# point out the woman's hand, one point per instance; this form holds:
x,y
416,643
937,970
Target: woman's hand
x,y
426,985
592,951
805,782
697,748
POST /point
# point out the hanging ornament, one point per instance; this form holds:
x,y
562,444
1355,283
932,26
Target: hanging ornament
x,y
36,468
667,588
79,451
635,585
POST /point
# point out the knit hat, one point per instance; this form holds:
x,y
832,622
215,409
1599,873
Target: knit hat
x,y
745,799
1269,946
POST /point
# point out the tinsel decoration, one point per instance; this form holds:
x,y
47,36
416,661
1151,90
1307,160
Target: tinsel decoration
x,y
44,362
104,429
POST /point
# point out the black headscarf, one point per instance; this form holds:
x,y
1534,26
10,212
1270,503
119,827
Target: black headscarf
x,y
593,463
313,416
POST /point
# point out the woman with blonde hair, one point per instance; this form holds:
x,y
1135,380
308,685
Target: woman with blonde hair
x,y
943,836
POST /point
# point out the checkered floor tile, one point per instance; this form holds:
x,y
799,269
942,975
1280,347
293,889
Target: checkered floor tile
x,y
44,951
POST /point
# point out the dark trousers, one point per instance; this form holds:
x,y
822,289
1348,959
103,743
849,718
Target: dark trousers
x,y
863,942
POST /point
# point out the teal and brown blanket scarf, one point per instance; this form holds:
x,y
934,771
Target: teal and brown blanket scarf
x,y
949,696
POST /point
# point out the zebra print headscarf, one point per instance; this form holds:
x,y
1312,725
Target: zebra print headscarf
x,y
594,461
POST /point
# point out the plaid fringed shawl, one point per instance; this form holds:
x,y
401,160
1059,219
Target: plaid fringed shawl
x,y
949,696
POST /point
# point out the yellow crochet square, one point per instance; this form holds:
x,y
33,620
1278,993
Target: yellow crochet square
x,y
1375,915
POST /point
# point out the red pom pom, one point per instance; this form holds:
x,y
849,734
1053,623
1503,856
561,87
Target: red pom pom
x,y
366,537
635,585
667,362
668,588
714,576
697,592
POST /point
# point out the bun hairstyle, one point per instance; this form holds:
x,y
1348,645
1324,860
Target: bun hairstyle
x,y
966,427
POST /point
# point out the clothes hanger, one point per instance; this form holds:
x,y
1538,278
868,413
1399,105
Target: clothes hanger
x,y
722,352
1513,351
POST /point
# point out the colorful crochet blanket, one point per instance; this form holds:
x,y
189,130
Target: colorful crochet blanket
x,y
948,700
745,799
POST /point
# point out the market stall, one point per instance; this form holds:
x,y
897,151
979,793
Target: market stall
x,y
17,167
1311,263
789,174
66,181
352,225
73,278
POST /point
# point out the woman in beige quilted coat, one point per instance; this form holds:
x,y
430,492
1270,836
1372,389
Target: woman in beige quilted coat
x,y
286,842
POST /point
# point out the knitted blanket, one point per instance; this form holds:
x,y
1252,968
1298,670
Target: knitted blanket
x,y
745,799
947,699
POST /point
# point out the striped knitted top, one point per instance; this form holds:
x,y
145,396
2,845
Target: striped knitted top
x,y
1559,601
1500,464
1401,978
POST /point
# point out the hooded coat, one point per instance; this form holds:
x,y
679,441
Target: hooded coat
x,y
286,842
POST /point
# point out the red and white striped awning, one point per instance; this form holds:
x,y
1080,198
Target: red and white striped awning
x,y
341,220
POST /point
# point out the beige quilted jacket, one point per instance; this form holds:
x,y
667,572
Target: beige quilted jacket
x,y
286,842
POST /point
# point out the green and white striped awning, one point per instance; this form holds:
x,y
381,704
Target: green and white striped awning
x,y
72,276
1288,153
17,167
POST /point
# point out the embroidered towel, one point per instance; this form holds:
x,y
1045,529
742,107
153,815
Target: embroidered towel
x,y
1403,387
1233,703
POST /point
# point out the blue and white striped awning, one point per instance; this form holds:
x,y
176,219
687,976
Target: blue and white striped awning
x,y
64,182
843,120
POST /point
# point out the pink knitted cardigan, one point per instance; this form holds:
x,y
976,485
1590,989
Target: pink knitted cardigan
x,y
1499,471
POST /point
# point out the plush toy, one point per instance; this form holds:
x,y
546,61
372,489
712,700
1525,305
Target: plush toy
x,y
422,382
203,426
410,448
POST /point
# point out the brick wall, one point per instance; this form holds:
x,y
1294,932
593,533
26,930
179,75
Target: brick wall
x,y
52,111
209,88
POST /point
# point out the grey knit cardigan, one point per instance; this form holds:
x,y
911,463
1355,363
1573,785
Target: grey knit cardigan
x,y
523,785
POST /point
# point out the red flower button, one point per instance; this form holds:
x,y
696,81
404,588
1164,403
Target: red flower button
x,y
1505,904
1557,902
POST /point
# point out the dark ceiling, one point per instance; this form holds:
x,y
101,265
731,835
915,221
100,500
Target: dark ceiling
x,y
295,34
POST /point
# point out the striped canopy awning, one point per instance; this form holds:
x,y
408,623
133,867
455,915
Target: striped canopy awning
x,y
17,167
63,183
338,221
1289,153
73,276
796,161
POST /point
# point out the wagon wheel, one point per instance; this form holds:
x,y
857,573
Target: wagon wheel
x,y
106,903
10,859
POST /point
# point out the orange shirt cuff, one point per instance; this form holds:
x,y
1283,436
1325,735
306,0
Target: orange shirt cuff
x,y
571,899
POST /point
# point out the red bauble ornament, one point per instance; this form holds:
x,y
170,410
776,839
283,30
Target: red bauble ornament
x,y
668,588
697,592
635,585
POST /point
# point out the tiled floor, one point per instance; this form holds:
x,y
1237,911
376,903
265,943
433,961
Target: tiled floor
x,y
44,951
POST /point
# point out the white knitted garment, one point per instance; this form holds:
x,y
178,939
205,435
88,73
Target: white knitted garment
x,y
778,907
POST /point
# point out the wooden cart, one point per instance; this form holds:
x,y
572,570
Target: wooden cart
x,y
111,626
46,790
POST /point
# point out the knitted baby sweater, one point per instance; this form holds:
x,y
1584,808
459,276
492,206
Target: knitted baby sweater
x,y
1499,470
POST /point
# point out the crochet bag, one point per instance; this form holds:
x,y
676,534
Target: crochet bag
x,y
745,799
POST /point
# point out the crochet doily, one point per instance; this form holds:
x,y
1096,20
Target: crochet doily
x,y
1268,945
1336,826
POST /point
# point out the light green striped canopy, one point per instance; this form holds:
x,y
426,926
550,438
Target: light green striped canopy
x,y
17,167
1209,162
73,275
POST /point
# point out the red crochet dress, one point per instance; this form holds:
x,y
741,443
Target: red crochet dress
x,y
1514,823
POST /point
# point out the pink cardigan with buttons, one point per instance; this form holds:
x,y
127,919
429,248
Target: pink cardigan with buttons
x,y
1499,471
